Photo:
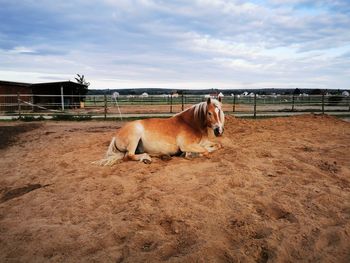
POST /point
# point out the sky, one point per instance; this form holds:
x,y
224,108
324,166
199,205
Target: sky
x,y
179,44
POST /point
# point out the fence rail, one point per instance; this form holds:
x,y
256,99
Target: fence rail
x,y
107,105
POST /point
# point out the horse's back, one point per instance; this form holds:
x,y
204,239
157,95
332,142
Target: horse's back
x,y
168,126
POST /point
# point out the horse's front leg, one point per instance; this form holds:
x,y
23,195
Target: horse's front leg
x,y
210,146
194,150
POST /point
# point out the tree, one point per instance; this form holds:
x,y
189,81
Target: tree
x,y
316,92
297,91
81,80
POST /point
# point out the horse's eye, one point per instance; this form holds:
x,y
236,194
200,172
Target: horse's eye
x,y
209,113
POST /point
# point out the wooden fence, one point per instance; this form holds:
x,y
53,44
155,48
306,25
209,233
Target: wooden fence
x,y
109,106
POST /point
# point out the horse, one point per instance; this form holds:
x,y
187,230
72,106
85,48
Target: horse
x,y
185,133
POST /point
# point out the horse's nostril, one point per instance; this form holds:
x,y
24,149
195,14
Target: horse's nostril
x,y
217,131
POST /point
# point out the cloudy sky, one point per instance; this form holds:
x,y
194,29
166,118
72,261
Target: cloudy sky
x,y
178,43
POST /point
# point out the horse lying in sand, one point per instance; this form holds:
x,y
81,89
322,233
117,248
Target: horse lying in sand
x,y
185,132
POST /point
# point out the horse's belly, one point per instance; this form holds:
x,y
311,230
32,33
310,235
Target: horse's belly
x,y
160,145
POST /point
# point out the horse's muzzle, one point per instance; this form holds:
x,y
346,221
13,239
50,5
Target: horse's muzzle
x,y
217,132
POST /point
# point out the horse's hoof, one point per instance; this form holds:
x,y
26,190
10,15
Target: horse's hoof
x,y
191,155
146,161
188,156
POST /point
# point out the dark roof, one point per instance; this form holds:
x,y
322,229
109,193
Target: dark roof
x,y
58,83
12,83
52,84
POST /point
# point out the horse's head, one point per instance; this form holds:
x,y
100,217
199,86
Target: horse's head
x,y
215,116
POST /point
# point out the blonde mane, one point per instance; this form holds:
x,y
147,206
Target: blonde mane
x,y
199,112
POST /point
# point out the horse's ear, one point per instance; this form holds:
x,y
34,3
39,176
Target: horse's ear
x,y
208,100
219,98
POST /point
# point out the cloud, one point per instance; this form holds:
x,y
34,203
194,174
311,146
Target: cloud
x,y
22,50
202,43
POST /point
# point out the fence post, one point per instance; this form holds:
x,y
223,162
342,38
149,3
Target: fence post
x,y
254,106
105,105
293,103
171,103
19,105
62,99
234,103
182,101
322,103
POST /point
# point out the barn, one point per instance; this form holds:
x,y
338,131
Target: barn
x,y
73,93
9,87
47,94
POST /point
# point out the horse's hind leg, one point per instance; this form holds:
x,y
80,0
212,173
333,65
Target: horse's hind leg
x,y
163,157
131,155
144,157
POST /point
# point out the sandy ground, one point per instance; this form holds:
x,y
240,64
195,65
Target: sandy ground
x,y
279,191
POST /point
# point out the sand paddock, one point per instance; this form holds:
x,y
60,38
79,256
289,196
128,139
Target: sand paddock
x,y
279,191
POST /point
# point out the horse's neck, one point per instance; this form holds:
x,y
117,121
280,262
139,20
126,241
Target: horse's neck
x,y
196,123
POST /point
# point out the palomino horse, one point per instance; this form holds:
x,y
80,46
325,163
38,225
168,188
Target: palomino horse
x,y
185,132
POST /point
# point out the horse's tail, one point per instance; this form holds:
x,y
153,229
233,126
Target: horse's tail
x,y
113,154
